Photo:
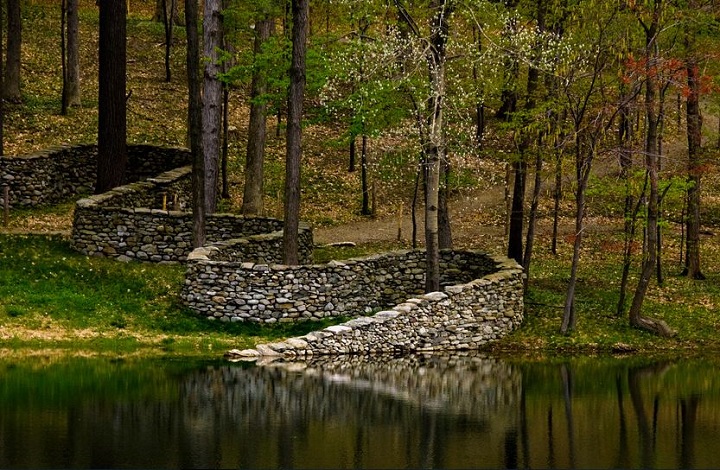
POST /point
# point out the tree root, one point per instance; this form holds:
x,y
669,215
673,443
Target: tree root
x,y
658,327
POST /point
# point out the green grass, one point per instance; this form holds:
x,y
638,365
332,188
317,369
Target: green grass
x,y
689,307
70,301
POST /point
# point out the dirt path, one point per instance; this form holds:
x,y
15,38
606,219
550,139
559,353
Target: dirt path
x,y
476,222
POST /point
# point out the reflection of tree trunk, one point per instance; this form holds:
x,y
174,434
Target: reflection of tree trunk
x,y
551,439
566,375
623,460
524,434
510,457
688,408
646,439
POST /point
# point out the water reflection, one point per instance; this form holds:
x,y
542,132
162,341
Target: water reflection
x,y
471,411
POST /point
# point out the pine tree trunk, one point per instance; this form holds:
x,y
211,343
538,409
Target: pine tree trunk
x,y
112,126
195,121
253,194
212,100
11,90
300,12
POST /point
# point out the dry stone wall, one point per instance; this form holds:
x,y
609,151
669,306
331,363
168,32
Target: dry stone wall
x,y
481,300
462,317
56,174
132,222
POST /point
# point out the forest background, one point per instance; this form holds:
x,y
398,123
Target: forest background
x,y
557,117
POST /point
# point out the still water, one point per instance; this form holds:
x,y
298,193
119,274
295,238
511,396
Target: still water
x,y
416,412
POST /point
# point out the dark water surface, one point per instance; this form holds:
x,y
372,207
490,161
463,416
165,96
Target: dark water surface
x,y
420,412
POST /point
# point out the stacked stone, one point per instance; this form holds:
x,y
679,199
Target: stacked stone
x,y
463,317
48,176
55,174
220,287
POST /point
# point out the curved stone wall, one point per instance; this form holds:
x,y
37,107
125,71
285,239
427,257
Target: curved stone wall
x,y
144,219
464,316
481,300
55,174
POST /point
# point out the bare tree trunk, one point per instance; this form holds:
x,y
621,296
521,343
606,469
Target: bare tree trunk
x,y
517,210
195,121
11,90
532,219
300,12
212,99
365,209
694,136
112,124
2,104
63,57
168,25
225,144
582,168
444,226
253,194
69,49
352,151
557,196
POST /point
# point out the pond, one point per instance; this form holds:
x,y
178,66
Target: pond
x,y
461,411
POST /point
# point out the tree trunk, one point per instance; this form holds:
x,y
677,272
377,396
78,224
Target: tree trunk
x,y
532,219
2,104
112,146
162,8
435,154
253,192
72,75
444,226
195,121
63,57
225,143
365,209
167,19
557,196
651,162
352,152
517,211
694,136
212,100
69,59
582,168
11,90
300,12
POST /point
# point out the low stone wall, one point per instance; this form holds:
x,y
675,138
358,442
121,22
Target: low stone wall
x,y
462,317
128,222
55,174
220,288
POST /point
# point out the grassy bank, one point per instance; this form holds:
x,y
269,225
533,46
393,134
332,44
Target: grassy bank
x,y
54,298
